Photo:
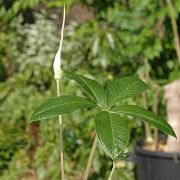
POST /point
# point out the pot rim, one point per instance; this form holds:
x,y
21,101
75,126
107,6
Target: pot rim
x,y
154,154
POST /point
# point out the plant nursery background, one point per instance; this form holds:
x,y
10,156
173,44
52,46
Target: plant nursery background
x,y
102,40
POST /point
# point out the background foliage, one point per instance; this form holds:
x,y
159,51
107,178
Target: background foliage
x,y
103,39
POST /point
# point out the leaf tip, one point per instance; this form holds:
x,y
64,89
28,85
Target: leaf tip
x,y
67,73
30,120
174,135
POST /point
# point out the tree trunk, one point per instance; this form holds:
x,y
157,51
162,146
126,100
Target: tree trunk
x,y
172,96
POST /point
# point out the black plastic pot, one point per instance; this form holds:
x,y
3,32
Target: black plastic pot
x,y
154,165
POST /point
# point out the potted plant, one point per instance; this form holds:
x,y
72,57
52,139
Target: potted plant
x,y
157,157
111,123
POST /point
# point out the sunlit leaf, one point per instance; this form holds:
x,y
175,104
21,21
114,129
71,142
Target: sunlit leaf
x,y
145,115
59,105
113,133
122,88
91,87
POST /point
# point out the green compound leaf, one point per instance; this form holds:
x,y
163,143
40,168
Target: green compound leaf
x,y
123,88
60,105
113,133
150,117
91,87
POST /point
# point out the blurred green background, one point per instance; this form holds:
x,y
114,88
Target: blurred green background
x,y
102,39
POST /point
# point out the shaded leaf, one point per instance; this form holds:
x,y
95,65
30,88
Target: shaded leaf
x,y
113,133
123,88
60,105
91,87
145,115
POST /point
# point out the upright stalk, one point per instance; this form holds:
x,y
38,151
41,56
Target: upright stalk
x,y
145,77
61,134
57,77
88,166
174,27
156,138
155,110
149,139
112,171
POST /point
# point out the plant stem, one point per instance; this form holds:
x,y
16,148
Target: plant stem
x,y
147,127
62,30
174,27
112,171
88,166
156,138
155,110
61,134
145,77
57,78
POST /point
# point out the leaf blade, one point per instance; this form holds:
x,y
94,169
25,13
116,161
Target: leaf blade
x,y
60,105
113,133
150,117
123,88
91,87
